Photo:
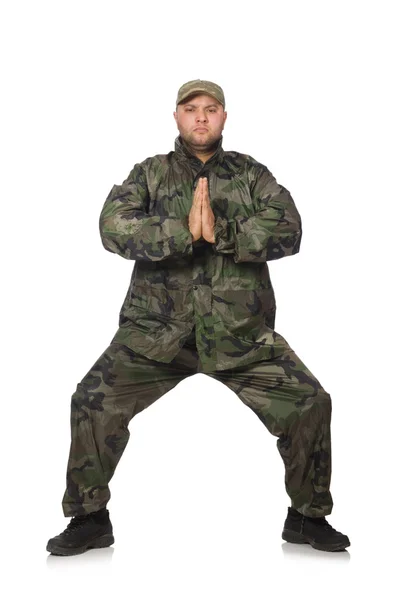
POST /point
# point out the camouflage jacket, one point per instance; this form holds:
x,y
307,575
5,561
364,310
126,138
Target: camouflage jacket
x,y
223,289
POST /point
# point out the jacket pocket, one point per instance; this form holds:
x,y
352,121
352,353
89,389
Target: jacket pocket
x,y
161,303
244,312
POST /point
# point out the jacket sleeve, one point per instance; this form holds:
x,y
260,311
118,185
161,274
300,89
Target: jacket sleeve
x,y
127,229
273,231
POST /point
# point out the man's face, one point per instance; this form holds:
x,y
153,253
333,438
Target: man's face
x,y
200,121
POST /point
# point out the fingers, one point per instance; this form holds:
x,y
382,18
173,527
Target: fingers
x,y
201,197
201,191
197,198
206,199
203,183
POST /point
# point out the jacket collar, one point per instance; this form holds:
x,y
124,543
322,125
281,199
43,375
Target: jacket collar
x,y
184,154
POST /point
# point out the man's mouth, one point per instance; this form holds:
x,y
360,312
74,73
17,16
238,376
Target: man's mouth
x,y
200,129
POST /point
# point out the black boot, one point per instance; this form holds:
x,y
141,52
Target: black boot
x,y
317,532
93,530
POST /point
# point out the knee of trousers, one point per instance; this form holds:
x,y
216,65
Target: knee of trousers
x,y
85,397
312,420
324,401
321,405
318,407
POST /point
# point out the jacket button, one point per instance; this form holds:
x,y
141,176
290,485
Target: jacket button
x,y
195,287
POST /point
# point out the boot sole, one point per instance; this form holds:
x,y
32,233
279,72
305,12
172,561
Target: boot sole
x,y
101,542
298,538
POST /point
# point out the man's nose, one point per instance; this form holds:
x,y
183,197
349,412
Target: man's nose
x,y
201,116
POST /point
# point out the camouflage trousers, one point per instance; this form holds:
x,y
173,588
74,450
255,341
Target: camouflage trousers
x,y
282,392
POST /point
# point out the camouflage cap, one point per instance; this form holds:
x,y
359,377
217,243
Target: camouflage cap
x,y
200,86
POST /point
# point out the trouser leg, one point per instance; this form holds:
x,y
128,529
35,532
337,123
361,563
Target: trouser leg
x,y
293,406
119,385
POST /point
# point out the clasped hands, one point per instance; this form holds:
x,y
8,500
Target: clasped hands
x,y
201,218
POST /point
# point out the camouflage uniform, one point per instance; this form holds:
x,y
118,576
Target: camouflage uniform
x,y
195,307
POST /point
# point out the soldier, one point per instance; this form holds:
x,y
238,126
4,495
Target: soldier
x,y
201,223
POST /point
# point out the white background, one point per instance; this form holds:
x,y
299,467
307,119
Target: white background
x,y
198,500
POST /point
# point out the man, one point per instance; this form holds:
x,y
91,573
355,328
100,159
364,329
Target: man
x,y
200,223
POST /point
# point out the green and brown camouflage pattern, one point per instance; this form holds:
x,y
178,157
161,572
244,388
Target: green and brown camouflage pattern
x,y
200,86
223,289
282,392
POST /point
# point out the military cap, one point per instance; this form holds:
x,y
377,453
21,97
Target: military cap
x,y
200,86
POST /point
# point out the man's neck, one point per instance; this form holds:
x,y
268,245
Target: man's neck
x,y
202,155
